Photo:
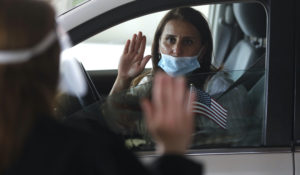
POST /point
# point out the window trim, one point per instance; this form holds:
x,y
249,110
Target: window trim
x,y
278,117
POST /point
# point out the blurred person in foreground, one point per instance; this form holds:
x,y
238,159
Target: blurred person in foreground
x,y
32,141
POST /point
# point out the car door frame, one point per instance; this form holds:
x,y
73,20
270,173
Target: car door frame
x,y
280,68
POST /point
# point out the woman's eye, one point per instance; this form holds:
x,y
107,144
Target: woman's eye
x,y
171,40
188,42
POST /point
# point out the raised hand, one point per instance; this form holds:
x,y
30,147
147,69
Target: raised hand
x,y
132,62
169,116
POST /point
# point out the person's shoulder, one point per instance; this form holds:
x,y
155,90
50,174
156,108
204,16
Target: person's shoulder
x,y
58,137
176,165
142,88
54,147
146,79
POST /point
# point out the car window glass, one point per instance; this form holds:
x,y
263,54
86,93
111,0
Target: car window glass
x,y
111,41
232,117
234,110
66,5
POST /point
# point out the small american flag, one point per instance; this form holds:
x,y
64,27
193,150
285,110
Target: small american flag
x,y
208,107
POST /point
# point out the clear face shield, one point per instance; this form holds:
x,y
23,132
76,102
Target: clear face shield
x,y
72,79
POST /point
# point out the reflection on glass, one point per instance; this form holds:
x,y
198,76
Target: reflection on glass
x,y
65,5
243,100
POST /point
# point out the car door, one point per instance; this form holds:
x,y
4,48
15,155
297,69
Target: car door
x,y
297,97
273,154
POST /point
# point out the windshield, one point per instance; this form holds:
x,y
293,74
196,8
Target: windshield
x,y
66,5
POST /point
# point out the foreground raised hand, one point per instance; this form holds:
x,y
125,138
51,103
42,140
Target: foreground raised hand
x,y
132,62
169,116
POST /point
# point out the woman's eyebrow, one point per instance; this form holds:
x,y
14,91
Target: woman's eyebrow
x,y
170,35
190,37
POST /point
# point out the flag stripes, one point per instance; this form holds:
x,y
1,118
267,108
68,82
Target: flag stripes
x,y
207,113
208,107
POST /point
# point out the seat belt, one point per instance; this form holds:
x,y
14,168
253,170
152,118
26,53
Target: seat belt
x,y
254,72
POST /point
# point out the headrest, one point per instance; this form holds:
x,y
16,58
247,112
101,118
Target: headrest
x,y
229,18
251,18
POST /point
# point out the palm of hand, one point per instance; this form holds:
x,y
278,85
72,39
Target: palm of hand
x,y
169,116
132,61
130,65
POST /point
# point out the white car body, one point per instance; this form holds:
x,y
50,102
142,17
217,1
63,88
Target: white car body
x,y
273,159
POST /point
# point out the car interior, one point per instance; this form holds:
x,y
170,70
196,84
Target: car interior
x,y
240,56
256,54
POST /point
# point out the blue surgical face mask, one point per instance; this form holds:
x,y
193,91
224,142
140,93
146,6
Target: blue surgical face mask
x,y
177,66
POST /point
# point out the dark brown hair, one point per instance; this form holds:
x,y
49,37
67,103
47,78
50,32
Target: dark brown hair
x,y
27,89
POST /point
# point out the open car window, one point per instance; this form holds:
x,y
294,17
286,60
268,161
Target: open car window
x,y
103,51
233,115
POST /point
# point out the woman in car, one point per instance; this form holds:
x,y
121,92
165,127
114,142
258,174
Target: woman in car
x,y
182,46
33,142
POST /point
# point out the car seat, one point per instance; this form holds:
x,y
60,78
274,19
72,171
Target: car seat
x,y
227,35
251,18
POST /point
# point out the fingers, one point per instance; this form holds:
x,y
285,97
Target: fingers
x,y
190,98
168,118
133,42
189,119
142,46
125,51
168,91
157,90
171,97
180,89
148,110
145,61
138,42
